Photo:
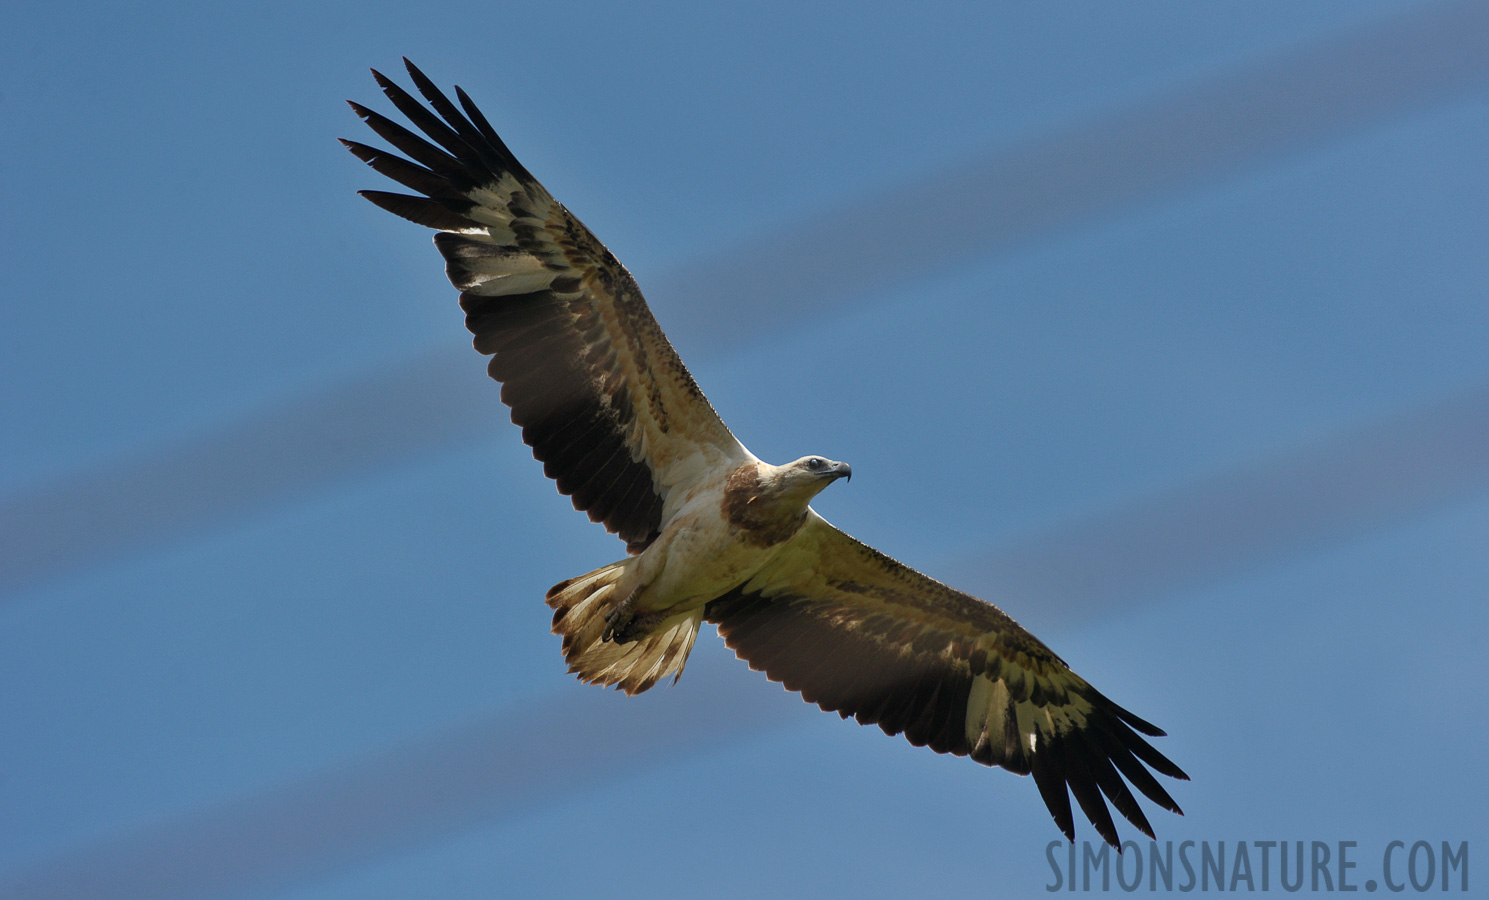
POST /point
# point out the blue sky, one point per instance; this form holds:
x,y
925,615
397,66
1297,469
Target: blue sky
x,y
351,652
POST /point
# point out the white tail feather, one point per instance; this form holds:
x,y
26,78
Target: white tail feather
x,y
580,605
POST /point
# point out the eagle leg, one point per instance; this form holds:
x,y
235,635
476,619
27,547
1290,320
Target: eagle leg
x,y
620,619
638,626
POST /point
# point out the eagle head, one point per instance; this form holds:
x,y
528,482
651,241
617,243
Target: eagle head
x,y
810,474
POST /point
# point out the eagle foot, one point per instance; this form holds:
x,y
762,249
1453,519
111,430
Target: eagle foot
x,y
624,624
618,621
638,626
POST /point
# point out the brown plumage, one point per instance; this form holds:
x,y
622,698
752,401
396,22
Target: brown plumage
x,y
713,532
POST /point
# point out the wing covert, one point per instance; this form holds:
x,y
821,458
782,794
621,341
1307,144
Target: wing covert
x,y
601,396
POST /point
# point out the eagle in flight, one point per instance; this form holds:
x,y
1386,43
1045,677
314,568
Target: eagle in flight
x,y
711,532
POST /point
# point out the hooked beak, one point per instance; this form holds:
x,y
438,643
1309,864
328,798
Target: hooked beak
x,y
838,470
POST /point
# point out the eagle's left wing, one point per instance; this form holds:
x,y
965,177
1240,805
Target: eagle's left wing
x,y
862,635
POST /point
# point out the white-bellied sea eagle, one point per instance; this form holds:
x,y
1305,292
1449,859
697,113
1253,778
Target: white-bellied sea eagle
x,y
712,532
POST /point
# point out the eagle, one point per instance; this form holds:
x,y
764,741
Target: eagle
x,y
711,532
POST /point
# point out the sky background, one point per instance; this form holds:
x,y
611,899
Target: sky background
x,y
1162,325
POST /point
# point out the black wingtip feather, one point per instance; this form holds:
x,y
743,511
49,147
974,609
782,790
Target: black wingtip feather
x,y
473,113
496,158
417,74
469,137
436,97
415,147
1159,763
410,175
452,142
1088,795
1137,723
1116,790
1128,765
420,210
1056,798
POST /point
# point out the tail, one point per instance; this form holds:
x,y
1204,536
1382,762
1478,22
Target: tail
x,y
655,644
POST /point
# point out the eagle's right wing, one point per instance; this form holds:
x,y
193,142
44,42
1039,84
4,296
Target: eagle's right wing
x,y
602,398
863,635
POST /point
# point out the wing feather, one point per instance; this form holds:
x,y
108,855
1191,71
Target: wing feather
x,y
600,394
420,210
862,635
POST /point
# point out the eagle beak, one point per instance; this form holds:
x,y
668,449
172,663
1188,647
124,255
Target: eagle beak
x,y
841,470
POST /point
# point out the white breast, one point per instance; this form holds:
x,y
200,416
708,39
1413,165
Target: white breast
x,y
697,557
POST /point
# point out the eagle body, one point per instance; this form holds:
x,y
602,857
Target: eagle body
x,y
712,533
720,538
727,530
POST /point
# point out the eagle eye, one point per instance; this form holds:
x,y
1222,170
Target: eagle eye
x,y
814,463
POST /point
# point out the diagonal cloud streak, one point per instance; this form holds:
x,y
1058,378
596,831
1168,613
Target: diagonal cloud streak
x,y
499,767
1182,141
1348,484
1219,128
400,414
447,783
